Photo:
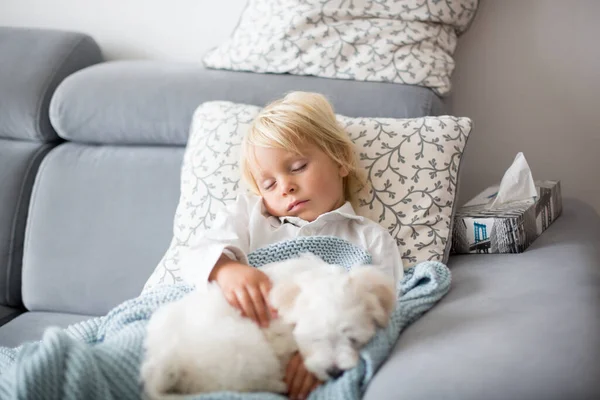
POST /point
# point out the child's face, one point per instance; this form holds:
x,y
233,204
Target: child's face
x,y
304,186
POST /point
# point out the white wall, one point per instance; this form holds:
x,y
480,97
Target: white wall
x,y
179,30
528,72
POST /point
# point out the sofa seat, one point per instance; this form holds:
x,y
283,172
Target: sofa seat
x,y
30,326
513,326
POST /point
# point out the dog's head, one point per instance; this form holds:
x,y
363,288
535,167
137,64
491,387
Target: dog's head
x,y
334,313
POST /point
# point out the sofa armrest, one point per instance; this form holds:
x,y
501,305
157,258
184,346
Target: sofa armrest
x,y
32,64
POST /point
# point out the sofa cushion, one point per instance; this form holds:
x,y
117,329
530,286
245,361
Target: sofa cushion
x,y
412,165
99,221
31,326
364,40
134,102
19,162
34,62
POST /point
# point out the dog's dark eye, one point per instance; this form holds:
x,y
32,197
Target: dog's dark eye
x,y
354,342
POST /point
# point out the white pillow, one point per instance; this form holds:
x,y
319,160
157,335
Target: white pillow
x,y
412,165
408,41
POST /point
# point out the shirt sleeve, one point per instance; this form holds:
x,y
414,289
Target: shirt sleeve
x,y
385,252
228,235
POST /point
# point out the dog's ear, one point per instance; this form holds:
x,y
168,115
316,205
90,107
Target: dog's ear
x,y
377,290
283,297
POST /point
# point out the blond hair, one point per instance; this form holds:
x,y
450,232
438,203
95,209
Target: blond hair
x,y
303,118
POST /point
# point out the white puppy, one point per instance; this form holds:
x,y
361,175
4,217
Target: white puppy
x,y
202,344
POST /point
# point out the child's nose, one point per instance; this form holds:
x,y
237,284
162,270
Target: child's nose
x,y
289,187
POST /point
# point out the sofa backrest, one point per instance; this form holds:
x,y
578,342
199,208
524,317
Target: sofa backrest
x,y
103,204
33,63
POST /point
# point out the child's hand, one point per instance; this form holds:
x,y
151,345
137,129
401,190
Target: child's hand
x,y
245,288
299,380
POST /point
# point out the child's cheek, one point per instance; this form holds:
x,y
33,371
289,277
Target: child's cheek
x,y
270,206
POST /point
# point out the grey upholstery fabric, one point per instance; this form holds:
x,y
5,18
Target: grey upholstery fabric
x,y
30,326
514,326
19,162
8,313
100,220
34,62
152,102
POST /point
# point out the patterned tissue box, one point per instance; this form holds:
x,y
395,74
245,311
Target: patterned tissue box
x,y
509,228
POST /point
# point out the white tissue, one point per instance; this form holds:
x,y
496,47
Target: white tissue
x,y
517,183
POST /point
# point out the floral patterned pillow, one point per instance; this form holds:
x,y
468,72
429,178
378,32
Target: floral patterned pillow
x,y
408,41
412,165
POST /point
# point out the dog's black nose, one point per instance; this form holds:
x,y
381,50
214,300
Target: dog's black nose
x,y
334,372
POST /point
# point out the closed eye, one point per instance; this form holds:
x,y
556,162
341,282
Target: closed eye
x,y
268,185
300,168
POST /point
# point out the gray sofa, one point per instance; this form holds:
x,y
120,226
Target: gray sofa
x,y
90,154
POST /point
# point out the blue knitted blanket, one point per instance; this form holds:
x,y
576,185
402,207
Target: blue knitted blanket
x,y
100,358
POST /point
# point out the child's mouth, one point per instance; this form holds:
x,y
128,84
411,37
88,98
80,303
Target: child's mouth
x,y
297,204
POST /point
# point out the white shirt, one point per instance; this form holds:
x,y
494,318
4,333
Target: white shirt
x,y
246,226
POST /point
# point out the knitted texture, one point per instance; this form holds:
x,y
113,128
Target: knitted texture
x,y
100,358
330,249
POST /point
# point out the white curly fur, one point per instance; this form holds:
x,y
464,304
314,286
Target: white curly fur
x,y
202,344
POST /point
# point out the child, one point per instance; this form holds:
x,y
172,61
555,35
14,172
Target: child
x,y
303,170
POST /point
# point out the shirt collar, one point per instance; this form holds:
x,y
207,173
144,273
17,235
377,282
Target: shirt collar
x,y
344,212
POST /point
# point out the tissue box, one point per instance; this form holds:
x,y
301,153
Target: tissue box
x,y
509,228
